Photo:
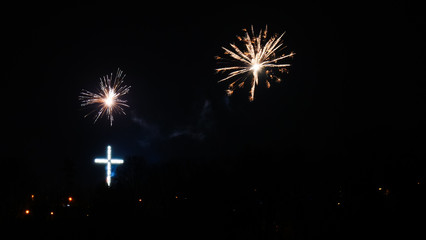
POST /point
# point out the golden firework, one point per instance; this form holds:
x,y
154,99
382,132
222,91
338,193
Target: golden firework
x,y
257,54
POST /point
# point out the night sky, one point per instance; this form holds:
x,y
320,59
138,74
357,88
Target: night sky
x,y
351,106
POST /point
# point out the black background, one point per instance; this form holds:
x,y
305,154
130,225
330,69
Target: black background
x,y
347,119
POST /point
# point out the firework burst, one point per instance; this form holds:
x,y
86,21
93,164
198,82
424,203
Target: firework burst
x,y
258,55
107,99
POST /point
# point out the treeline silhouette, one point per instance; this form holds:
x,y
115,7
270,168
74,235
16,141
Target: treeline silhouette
x,y
255,195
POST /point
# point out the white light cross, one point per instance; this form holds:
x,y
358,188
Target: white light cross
x,y
108,161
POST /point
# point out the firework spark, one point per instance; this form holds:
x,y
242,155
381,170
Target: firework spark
x,y
259,55
108,96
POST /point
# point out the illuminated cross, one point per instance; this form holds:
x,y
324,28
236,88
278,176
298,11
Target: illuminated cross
x,y
108,161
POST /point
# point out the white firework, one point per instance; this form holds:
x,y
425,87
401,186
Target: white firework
x,y
108,98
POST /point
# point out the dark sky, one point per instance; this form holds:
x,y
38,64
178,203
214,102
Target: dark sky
x,y
354,95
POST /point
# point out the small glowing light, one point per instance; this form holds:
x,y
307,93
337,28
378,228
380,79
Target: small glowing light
x,y
255,67
109,100
70,199
418,182
387,192
51,213
27,211
140,200
176,197
32,196
338,204
380,189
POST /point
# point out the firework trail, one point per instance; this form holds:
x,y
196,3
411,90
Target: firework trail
x,y
107,99
258,54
